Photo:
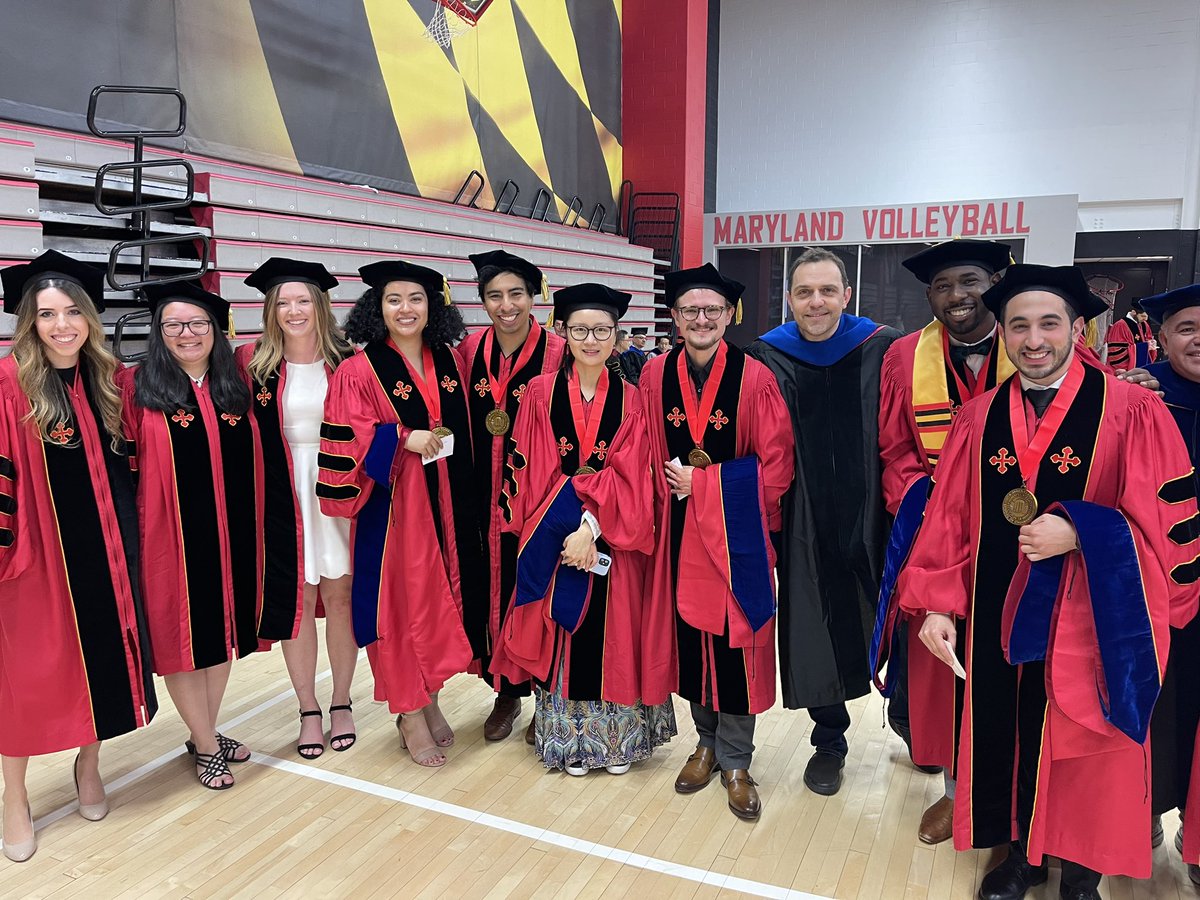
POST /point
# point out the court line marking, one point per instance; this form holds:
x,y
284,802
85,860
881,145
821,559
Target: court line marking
x,y
464,813
533,832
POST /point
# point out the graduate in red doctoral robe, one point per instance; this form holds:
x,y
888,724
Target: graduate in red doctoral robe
x,y
501,359
307,553
200,501
1130,340
74,659
721,448
926,378
392,412
579,486
1067,582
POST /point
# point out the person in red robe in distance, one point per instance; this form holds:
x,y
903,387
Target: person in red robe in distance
x,y
200,499
1130,340
396,458
74,658
501,359
1068,567
578,490
307,552
721,448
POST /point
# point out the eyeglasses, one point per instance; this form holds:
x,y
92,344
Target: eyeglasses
x,y
198,327
692,313
599,332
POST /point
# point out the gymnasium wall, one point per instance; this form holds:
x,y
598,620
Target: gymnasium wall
x,y
854,102
348,90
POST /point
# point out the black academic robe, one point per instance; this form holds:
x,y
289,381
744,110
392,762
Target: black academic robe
x,y
835,526
1177,713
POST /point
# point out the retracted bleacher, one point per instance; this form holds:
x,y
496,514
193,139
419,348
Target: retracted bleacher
x,y
249,214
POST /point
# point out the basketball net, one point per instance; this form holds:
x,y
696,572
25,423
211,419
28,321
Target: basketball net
x,y
443,29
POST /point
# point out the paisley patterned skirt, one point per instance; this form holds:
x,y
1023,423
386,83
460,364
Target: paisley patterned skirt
x,y
596,733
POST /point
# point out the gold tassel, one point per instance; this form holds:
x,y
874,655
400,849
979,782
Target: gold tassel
x,y
445,291
231,331
545,290
550,319
737,316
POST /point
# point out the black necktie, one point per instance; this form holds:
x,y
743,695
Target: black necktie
x,y
960,352
1040,400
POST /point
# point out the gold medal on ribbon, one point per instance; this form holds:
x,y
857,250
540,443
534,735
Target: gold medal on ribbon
x,y
442,431
699,458
497,422
585,470
1019,506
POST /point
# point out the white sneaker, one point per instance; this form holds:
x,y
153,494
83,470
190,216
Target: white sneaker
x,y
618,770
575,768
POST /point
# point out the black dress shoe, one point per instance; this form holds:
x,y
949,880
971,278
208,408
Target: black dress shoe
x,y
905,734
1078,893
1011,879
1156,832
823,774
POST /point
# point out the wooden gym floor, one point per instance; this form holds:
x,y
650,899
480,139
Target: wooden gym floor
x,y
492,823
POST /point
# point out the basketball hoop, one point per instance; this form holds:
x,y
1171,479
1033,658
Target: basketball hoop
x,y
463,14
1106,287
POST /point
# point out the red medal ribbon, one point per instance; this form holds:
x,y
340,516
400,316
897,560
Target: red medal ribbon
x,y
433,401
1030,453
698,412
497,386
587,422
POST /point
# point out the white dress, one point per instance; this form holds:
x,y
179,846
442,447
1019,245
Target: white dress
x,y
326,539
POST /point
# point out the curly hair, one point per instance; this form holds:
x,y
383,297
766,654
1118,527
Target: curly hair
x,y
365,322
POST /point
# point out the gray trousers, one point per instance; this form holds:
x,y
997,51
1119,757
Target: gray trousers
x,y
730,737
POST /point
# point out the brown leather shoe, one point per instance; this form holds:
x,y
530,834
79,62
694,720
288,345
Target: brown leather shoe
x,y
937,824
743,794
499,724
529,738
697,772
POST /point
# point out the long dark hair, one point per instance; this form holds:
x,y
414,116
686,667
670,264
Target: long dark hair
x,y
365,322
161,384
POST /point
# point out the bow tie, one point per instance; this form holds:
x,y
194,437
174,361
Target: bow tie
x,y
960,352
1040,400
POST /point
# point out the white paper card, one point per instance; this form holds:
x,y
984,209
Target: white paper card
x,y
447,450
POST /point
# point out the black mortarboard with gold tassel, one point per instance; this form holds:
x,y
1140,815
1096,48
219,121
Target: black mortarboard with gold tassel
x,y
380,274
707,277
190,292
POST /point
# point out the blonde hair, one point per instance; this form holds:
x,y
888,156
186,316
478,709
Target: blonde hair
x,y
47,396
268,349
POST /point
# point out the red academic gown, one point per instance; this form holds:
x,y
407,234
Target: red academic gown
x,y
749,418
911,434
415,543
200,503
541,353
1122,341
74,658
599,660
1072,786
283,536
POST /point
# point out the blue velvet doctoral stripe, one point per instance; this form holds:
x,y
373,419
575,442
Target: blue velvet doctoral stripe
x,y
850,333
539,557
1030,633
1124,632
900,541
370,536
382,453
1177,390
749,566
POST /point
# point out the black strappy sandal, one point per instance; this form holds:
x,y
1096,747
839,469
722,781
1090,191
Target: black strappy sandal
x,y
310,751
226,746
352,736
215,767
